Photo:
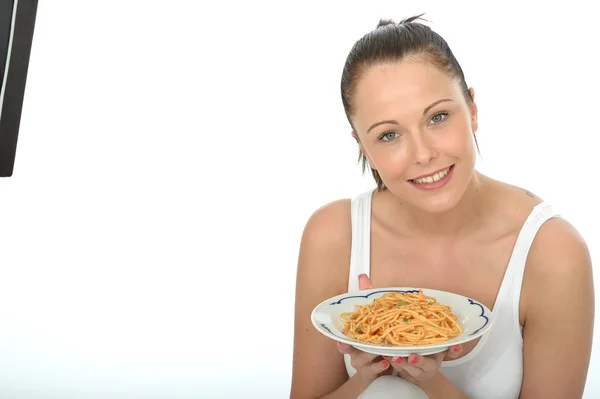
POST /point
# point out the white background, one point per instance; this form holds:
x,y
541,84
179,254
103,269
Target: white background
x,y
170,154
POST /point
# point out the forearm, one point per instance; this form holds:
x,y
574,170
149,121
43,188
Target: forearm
x,y
351,388
441,388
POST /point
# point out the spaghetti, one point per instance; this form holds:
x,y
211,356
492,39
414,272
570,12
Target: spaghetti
x,y
399,319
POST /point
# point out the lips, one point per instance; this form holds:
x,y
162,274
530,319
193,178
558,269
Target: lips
x,y
436,176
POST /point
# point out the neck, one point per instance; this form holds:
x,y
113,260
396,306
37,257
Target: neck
x,y
464,217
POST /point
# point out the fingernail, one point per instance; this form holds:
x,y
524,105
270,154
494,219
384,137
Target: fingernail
x,y
362,275
341,345
455,348
413,359
398,359
385,364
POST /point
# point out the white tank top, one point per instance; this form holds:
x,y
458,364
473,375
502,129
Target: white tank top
x,y
494,368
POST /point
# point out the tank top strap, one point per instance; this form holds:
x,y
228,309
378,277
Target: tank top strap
x,y
510,290
360,253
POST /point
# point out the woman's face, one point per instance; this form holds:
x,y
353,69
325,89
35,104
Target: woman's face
x,y
416,129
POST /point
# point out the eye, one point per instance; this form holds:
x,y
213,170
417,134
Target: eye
x,y
388,136
438,118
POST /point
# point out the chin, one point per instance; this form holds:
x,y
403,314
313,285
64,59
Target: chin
x,y
439,204
435,203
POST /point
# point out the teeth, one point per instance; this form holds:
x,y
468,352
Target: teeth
x,y
431,179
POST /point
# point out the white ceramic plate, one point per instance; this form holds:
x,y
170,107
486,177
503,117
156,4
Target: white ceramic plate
x,y
474,318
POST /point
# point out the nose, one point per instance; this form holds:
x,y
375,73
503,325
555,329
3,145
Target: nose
x,y
423,151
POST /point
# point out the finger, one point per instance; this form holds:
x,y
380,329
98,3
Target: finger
x,y
408,371
417,365
363,359
358,358
346,349
364,283
453,352
427,363
398,363
374,369
406,376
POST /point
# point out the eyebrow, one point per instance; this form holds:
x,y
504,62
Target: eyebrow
x,y
393,122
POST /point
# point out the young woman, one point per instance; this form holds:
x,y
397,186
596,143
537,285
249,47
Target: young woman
x,y
436,222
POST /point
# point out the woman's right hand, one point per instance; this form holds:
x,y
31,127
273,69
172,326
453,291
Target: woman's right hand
x,y
367,365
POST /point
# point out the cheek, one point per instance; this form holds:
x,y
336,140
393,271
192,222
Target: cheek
x,y
460,139
391,160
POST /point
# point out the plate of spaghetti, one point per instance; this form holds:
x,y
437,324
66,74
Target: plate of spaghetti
x,y
400,321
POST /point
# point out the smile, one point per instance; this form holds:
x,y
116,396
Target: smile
x,y
432,178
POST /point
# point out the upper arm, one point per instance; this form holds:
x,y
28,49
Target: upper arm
x,y
318,367
559,319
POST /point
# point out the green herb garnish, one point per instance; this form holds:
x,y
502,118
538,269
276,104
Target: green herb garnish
x,y
405,320
401,303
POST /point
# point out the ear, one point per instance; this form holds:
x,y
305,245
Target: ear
x,y
474,112
362,150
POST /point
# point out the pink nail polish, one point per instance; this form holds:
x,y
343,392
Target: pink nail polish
x,y
456,348
385,364
398,360
413,359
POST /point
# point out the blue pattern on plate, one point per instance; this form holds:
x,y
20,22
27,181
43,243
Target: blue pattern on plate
x,y
330,332
372,293
487,320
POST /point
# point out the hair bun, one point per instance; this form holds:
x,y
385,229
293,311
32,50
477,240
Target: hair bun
x,y
384,22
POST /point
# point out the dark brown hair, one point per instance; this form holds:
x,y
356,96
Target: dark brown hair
x,y
394,42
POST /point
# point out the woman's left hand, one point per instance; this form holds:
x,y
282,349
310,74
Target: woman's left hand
x,y
419,369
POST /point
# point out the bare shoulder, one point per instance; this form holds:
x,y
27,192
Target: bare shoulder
x,y
521,194
323,266
327,235
509,206
518,201
324,258
558,291
332,219
559,255
558,249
